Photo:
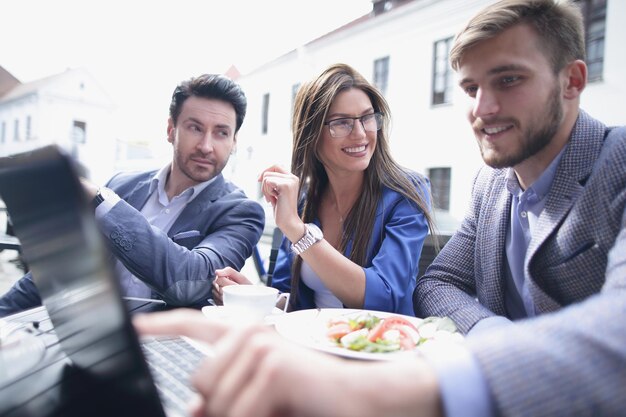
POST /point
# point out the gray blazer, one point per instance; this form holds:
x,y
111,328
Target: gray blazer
x,y
565,261
569,363
219,228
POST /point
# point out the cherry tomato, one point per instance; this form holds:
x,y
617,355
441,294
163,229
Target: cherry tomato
x,y
391,322
338,330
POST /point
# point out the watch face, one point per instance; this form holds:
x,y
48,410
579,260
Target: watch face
x,y
315,232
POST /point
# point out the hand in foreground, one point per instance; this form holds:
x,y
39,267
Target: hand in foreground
x,y
256,372
90,188
224,277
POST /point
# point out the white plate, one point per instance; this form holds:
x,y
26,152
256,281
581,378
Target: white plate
x,y
308,328
234,314
19,350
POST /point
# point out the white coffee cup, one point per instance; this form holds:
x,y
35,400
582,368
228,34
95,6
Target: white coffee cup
x,y
257,301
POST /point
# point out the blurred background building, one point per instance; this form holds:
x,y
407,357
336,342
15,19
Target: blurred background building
x,y
69,109
402,46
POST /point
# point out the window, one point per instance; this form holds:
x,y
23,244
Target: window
x,y
440,187
442,72
28,131
79,132
594,13
294,92
265,115
16,130
381,74
3,131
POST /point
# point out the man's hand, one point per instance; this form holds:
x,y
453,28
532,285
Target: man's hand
x,y
224,277
90,188
257,372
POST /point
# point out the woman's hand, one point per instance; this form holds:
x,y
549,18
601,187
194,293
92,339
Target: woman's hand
x,y
224,277
280,188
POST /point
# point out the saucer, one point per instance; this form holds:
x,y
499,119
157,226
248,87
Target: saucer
x,y
232,314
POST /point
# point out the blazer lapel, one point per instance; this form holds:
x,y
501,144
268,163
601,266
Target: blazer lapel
x,y
139,195
573,171
211,193
493,251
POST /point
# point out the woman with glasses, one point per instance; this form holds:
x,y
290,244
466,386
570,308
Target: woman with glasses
x,y
353,220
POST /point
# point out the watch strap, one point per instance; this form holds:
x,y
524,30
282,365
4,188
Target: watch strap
x,y
98,199
312,235
105,194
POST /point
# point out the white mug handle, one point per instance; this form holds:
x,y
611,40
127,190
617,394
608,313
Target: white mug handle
x,y
284,295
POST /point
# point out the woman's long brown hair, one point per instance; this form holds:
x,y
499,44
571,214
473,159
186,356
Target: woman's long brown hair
x,y
311,106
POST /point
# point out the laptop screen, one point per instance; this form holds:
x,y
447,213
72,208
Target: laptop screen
x,y
72,269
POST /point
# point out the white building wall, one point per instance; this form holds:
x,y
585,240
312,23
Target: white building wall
x,y
422,136
53,105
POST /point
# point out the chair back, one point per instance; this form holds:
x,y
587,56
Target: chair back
x,y
265,275
429,251
277,238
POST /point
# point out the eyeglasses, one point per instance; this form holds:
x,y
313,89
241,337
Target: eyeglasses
x,y
340,128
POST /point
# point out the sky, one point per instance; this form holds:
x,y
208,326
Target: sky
x,y
140,50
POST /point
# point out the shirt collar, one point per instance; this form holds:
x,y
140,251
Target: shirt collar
x,y
541,186
159,180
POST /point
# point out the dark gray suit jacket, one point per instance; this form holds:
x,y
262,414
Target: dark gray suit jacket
x,y
568,363
565,261
219,228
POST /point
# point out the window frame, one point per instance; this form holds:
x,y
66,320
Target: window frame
x,y
16,130
381,74
82,125
444,77
441,186
594,13
265,114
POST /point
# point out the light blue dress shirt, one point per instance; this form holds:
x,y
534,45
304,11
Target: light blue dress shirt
x,y
526,206
161,212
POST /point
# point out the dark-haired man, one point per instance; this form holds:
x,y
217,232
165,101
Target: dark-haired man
x,y
170,229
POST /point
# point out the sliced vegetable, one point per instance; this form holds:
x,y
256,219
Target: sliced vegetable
x,y
369,333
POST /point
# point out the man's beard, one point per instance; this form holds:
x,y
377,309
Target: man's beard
x,y
535,138
201,175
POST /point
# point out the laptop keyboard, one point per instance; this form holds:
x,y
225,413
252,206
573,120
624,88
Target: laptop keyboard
x,y
172,360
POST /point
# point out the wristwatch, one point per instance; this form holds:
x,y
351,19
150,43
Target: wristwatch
x,y
312,235
101,195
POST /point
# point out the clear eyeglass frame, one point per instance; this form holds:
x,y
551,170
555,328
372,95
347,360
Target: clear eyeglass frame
x,y
343,126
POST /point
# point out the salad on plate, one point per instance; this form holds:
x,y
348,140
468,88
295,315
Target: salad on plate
x,y
368,332
364,334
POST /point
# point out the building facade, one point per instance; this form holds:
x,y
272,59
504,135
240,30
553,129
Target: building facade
x,y
68,109
402,46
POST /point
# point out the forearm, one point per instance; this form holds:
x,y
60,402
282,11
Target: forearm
x,y
344,278
434,298
181,275
21,296
572,361
449,287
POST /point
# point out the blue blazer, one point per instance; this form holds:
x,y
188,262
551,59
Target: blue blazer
x,y
565,260
219,228
392,261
